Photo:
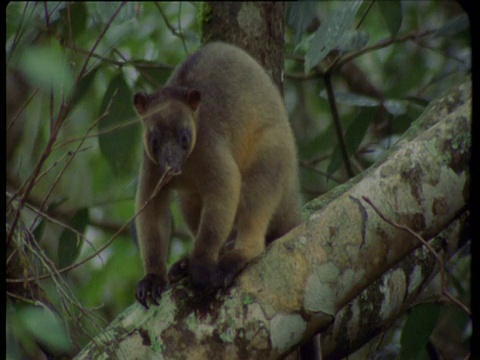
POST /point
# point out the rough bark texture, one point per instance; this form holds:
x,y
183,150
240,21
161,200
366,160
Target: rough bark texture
x,y
380,304
312,274
257,27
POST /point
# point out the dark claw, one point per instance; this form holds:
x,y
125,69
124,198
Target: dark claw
x,y
229,266
206,275
201,273
179,270
149,288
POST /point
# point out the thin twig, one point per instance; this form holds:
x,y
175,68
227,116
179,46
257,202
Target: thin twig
x,y
52,97
20,111
438,258
382,44
24,299
69,23
365,14
100,37
29,183
310,166
318,72
89,134
174,31
138,63
302,76
180,27
16,39
60,223
163,180
70,157
54,164
337,124
66,295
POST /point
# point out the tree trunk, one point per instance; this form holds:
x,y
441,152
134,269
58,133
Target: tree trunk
x,y
257,27
320,270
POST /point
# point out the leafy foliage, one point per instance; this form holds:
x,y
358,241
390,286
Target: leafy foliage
x,y
118,146
73,140
34,324
390,74
417,331
331,34
70,243
392,13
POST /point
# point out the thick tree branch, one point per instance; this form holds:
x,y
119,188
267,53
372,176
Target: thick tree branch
x,y
307,278
380,304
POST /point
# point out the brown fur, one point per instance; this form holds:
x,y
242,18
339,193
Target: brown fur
x,y
238,167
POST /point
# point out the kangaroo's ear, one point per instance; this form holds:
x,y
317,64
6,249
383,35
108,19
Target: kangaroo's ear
x,y
140,100
193,99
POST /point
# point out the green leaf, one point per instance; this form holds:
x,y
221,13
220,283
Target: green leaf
x,y
417,330
459,320
70,244
357,129
319,143
117,144
123,26
103,11
78,20
353,137
353,99
454,26
108,285
395,107
401,123
336,160
47,67
328,36
13,16
158,74
45,327
300,15
39,229
85,85
353,40
392,12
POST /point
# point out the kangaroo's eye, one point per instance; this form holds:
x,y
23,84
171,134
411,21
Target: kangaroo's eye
x,y
154,143
184,140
